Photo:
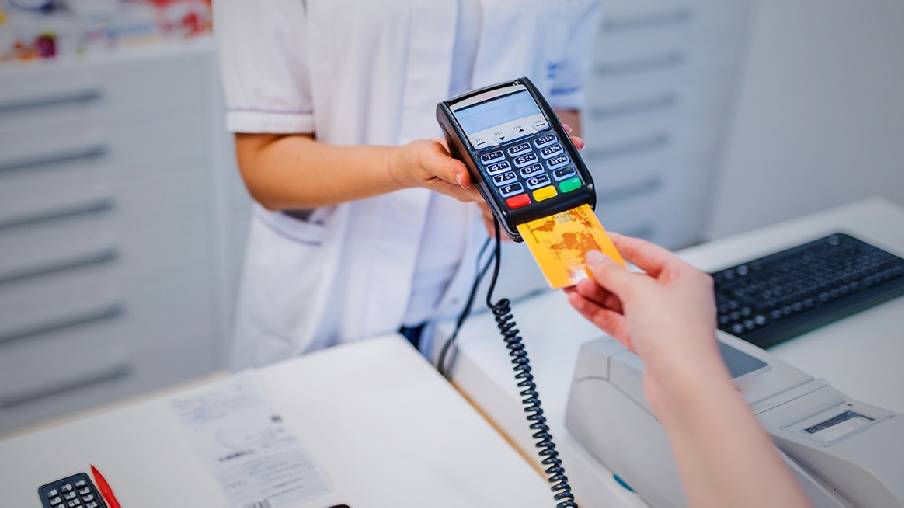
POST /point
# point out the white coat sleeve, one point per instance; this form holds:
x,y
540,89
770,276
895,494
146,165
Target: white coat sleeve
x,y
263,64
567,90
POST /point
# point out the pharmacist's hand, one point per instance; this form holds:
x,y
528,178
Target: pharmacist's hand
x,y
666,315
577,140
427,163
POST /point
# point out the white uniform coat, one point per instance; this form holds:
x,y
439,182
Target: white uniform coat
x,y
366,72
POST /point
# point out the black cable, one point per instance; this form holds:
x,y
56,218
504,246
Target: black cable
x,y
530,397
466,311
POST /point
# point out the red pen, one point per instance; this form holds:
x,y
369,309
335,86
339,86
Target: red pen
x,y
104,488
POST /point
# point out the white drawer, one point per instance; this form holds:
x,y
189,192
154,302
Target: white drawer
x,y
29,307
57,237
37,98
145,372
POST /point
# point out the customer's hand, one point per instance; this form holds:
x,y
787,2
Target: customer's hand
x,y
666,315
427,163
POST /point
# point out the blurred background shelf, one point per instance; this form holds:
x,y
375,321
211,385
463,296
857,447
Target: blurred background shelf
x,y
118,264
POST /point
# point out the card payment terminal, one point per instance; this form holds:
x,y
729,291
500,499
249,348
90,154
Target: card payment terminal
x,y
517,151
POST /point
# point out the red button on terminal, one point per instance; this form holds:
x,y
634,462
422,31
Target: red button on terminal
x,y
518,201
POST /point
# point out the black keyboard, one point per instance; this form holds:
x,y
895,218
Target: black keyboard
x,y
780,296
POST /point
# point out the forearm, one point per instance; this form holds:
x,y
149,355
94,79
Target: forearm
x,y
724,456
298,172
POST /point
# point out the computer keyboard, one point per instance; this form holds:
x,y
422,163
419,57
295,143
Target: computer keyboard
x,y
774,298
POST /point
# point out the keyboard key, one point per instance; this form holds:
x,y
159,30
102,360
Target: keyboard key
x,y
545,140
66,487
56,500
518,201
548,151
541,124
556,162
69,495
532,170
537,182
490,157
84,491
563,173
499,167
88,498
52,493
504,178
570,185
545,193
80,483
525,160
511,189
519,149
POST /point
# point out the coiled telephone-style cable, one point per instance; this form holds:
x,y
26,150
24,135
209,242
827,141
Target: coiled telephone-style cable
x,y
530,397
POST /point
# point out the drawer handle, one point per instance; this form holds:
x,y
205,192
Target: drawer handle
x,y
647,105
633,147
639,65
652,20
630,191
91,152
102,257
103,314
87,381
101,205
49,101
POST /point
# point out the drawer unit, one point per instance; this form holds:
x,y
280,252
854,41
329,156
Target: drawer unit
x,y
660,92
110,266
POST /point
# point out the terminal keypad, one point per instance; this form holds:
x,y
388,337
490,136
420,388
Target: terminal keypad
x,y
530,169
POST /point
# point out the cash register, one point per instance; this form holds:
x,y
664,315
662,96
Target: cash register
x,y
844,452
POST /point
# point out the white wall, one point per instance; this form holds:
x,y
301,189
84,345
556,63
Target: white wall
x,y
820,118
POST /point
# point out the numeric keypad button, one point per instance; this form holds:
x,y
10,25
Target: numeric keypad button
x,y
504,178
499,167
557,161
525,160
537,182
511,189
532,170
551,150
491,157
545,140
519,149
563,173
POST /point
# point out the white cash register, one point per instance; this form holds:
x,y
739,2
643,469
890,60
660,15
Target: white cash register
x,y
844,452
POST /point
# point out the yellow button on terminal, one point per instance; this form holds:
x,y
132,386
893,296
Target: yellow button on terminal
x,y
545,193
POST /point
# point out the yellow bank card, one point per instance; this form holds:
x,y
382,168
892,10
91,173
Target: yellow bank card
x,y
560,242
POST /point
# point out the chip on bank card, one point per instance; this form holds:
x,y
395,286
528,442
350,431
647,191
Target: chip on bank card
x,y
560,242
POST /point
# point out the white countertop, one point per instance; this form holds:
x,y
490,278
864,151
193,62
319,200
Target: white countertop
x,y
383,425
860,355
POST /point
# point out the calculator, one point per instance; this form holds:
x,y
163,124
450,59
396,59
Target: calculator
x,y
515,148
74,491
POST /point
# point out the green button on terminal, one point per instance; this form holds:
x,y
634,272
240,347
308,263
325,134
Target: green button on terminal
x,y
571,184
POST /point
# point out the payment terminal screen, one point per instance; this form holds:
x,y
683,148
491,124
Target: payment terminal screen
x,y
499,111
